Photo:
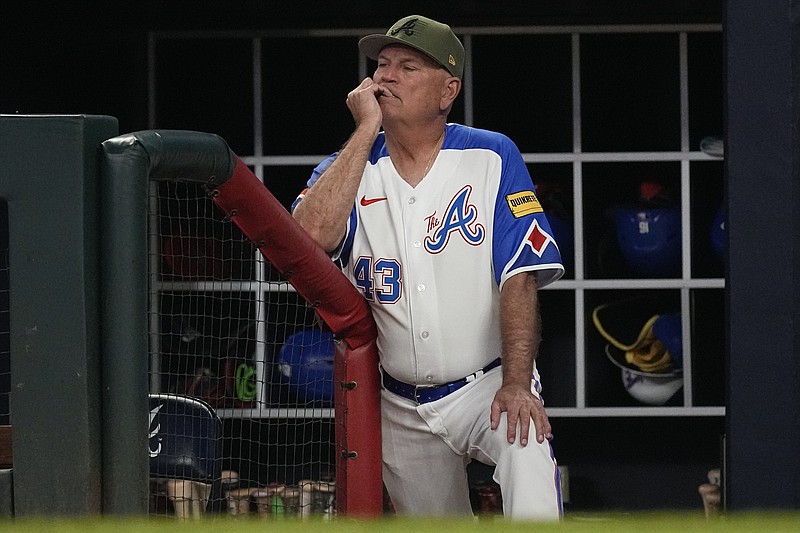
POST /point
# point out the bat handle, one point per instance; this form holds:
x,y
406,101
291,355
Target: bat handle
x,y
200,494
189,498
179,492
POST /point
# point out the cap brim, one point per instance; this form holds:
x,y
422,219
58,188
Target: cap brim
x,y
371,45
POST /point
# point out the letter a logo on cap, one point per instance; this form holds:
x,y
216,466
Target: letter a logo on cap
x,y
407,27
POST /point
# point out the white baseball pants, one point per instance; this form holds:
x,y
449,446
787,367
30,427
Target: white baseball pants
x,y
426,449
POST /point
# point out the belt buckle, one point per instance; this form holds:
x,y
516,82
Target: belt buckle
x,y
423,388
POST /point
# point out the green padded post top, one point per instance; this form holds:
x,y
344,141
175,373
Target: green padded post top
x,y
129,162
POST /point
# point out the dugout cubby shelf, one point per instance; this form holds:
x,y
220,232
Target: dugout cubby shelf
x,y
597,111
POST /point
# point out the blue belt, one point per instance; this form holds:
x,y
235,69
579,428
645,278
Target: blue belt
x,y
426,393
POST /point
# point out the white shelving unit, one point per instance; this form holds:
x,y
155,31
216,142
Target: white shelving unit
x,y
686,166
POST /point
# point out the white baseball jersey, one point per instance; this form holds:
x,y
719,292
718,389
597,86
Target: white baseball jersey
x,y
431,260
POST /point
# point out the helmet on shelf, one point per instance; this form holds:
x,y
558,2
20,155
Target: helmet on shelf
x,y
305,363
645,344
649,239
651,388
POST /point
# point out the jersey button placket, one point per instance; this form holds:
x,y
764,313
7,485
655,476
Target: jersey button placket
x,y
416,242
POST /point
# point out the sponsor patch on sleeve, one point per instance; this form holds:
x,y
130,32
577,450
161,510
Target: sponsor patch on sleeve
x,y
523,203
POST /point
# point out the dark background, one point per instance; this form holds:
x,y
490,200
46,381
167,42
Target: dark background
x,y
90,57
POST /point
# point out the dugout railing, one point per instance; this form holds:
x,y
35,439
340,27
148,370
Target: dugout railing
x,y
130,162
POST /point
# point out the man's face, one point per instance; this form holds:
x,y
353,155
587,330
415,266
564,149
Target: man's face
x,y
412,83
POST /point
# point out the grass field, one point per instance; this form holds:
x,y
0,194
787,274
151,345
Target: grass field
x,y
771,522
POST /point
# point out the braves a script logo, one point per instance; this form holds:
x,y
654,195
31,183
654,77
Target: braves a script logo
x,y
460,217
407,28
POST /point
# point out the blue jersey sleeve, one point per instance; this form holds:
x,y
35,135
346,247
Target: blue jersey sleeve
x,y
523,239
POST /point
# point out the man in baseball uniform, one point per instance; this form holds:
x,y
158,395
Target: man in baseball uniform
x,y
439,226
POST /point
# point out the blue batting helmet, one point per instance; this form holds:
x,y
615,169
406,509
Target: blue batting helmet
x,y
650,240
305,362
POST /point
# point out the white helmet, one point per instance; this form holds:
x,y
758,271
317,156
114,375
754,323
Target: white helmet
x,y
652,388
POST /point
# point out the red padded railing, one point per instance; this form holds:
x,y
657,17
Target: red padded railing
x,y
359,488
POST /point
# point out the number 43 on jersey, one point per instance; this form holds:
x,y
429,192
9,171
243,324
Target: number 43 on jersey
x,y
379,280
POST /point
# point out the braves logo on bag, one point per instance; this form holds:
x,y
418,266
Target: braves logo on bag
x,y
154,451
460,217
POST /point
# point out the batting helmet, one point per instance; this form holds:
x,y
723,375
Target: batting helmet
x,y
652,388
649,340
305,362
645,345
650,239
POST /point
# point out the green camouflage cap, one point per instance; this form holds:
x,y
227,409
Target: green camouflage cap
x,y
432,38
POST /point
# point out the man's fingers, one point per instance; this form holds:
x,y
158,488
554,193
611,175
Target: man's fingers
x,y
540,421
495,415
512,426
524,413
524,429
541,430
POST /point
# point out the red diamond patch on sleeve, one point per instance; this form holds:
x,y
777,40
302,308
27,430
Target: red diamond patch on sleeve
x,y
538,239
